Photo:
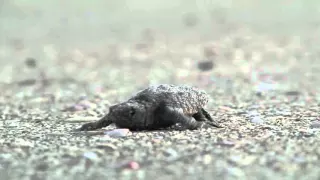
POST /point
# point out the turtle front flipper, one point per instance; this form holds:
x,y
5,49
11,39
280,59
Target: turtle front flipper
x,y
168,115
103,122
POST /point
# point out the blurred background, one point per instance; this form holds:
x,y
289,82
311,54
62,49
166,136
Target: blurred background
x,y
160,41
78,22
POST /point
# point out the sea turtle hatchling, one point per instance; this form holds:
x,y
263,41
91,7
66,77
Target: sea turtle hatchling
x,y
158,107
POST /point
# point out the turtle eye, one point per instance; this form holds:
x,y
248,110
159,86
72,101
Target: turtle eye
x,y
132,111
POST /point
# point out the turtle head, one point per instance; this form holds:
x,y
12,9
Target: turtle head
x,y
131,115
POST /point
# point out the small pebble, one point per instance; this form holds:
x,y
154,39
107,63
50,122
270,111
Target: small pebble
x,y
156,140
90,155
23,143
292,93
172,154
257,120
133,165
117,132
227,143
106,146
27,82
209,52
87,104
237,172
243,160
253,113
83,97
5,156
207,159
190,20
283,113
315,125
31,62
205,65
306,132
264,87
77,119
42,166
75,107
299,159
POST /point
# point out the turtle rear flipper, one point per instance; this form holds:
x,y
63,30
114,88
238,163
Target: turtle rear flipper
x,y
103,122
209,118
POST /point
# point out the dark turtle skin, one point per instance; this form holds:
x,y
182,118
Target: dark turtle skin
x,y
158,107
